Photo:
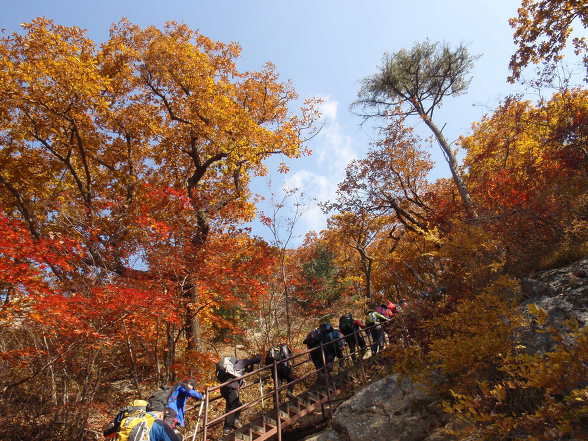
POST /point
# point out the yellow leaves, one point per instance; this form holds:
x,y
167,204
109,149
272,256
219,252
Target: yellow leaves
x,y
541,32
538,313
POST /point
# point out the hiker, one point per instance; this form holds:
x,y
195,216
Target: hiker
x,y
351,329
333,344
178,396
313,341
135,407
374,323
324,334
231,368
135,423
388,309
283,368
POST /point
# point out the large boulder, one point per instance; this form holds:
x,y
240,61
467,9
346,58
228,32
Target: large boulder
x,y
391,409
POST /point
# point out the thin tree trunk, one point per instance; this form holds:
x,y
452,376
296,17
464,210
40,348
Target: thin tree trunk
x,y
170,354
156,354
286,298
52,372
192,323
132,359
461,187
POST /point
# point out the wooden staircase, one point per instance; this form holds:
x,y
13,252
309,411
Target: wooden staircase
x,y
265,426
271,423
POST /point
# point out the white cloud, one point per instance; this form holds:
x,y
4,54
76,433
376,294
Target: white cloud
x,y
315,188
328,109
334,149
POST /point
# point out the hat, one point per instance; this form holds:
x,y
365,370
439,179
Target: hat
x,y
191,382
138,403
170,417
169,413
325,319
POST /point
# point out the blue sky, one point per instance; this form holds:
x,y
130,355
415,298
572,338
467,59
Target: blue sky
x,y
325,47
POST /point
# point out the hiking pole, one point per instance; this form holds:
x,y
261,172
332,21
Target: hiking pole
x,y
198,420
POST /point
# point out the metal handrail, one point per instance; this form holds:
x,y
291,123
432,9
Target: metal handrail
x,y
277,387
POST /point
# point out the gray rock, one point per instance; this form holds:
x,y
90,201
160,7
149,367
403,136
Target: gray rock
x,y
563,294
326,435
391,409
535,288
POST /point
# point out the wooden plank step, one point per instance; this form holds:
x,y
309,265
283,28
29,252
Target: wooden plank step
x,y
258,427
240,436
269,421
312,397
309,399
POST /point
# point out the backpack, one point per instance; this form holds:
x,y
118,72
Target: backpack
x,y
381,309
134,406
280,352
372,319
225,369
158,399
346,324
135,426
313,338
328,340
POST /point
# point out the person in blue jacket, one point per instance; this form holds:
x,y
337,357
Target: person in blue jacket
x,y
179,395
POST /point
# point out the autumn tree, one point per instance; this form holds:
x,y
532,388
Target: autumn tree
x,y
140,151
416,82
358,230
88,131
390,180
528,168
542,30
321,277
282,227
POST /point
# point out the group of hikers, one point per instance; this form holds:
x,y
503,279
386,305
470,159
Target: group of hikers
x,y
157,418
154,419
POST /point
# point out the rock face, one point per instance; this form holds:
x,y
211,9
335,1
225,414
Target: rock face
x,y
391,409
563,294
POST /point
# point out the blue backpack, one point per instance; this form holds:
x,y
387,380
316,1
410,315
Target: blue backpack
x,y
314,338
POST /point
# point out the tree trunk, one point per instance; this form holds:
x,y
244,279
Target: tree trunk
x,y
286,298
192,324
461,187
366,263
170,354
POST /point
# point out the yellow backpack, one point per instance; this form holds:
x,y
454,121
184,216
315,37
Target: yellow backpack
x,y
135,426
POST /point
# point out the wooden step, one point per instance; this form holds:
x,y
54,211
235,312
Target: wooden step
x,y
258,427
269,421
308,399
240,436
293,405
312,397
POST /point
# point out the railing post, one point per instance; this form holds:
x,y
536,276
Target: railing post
x,y
205,436
327,373
277,400
357,350
368,334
